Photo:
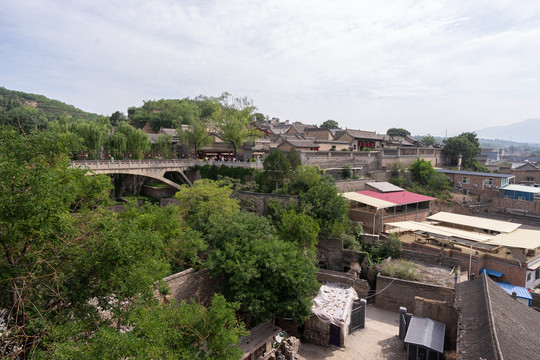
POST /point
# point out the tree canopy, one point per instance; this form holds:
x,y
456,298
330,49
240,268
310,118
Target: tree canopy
x,y
397,132
76,278
330,124
466,145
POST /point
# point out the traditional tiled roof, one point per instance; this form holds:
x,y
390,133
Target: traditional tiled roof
x,y
361,134
493,325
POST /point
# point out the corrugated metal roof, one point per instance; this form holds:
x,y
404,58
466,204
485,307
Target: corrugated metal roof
x,y
521,292
426,332
399,197
522,188
521,238
476,173
368,200
441,230
491,272
384,186
475,222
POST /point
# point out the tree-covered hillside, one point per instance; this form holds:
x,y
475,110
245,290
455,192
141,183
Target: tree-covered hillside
x,y
10,99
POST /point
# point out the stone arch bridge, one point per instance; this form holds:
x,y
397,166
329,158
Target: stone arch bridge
x,y
156,169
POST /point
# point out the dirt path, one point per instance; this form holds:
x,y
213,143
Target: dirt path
x,y
377,341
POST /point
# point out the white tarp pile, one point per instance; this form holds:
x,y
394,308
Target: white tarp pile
x,y
334,303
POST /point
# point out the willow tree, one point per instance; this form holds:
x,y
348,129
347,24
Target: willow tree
x,y
137,142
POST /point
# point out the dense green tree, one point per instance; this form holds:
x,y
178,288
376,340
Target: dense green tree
x,y
156,331
330,124
259,117
117,117
428,140
202,200
422,171
304,178
241,225
327,207
300,229
26,119
397,132
294,159
466,145
268,277
276,171
79,281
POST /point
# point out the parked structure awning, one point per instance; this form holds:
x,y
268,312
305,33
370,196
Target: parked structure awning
x,y
475,222
441,231
491,272
368,200
521,238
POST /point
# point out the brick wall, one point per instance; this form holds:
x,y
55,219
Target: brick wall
x,y
191,284
441,311
399,292
530,206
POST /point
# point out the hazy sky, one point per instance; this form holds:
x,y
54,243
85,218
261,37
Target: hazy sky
x,y
427,66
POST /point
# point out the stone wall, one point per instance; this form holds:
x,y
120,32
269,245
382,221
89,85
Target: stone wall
x,y
330,251
191,284
399,293
317,332
352,185
441,311
361,286
510,268
159,192
438,259
257,202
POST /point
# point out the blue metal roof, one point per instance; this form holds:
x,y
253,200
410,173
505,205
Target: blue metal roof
x,y
472,173
426,332
521,292
491,272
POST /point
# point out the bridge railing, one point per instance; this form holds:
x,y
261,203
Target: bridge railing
x,y
157,163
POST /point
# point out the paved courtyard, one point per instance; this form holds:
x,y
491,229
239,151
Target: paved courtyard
x,y
377,341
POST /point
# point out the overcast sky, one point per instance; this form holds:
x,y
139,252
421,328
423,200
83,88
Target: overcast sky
x,y
427,66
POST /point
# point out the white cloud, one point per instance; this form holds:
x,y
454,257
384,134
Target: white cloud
x,y
427,65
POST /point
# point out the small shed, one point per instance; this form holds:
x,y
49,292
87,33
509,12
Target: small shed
x,y
336,312
259,343
424,339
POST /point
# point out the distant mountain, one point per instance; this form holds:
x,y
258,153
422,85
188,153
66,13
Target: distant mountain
x,y
526,131
52,108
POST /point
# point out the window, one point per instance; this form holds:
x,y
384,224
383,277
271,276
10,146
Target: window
x,y
521,198
259,352
530,178
537,274
489,181
466,180
529,276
